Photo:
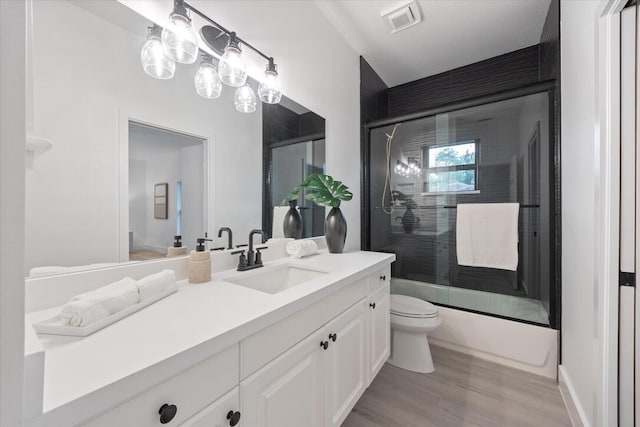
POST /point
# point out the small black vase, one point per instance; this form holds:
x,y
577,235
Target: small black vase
x,y
292,224
335,231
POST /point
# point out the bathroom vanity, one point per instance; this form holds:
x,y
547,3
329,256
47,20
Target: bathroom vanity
x,y
230,351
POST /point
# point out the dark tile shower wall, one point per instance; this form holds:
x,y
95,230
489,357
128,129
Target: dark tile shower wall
x,y
505,72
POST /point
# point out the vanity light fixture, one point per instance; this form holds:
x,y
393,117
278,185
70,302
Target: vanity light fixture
x,y
207,82
269,90
178,42
232,69
154,61
178,36
245,99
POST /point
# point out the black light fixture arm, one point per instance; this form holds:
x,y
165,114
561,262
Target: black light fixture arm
x,y
221,28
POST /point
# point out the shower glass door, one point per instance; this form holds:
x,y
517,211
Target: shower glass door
x,y
421,170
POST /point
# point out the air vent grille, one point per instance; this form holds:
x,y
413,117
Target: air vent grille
x,y
403,17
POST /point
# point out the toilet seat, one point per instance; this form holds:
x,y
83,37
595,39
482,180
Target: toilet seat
x,y
406,306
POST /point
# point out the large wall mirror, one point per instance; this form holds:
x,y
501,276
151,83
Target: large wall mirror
x,y
135,160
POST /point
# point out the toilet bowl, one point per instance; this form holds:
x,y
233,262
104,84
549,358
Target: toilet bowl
x,y
411,320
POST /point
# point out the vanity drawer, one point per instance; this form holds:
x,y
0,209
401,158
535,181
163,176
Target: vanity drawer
x,y
190,391
264,346
379,279
215,415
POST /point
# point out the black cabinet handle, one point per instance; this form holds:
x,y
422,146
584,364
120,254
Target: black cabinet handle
x,y
233,417
372,305
324,344
383,277
167,413
333,337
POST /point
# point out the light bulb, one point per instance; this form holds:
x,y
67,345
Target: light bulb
x,y
245,99
154,61
179,39
232,69
207,82
269,90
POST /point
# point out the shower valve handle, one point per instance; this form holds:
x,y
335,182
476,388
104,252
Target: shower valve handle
x,y
383,278
372,305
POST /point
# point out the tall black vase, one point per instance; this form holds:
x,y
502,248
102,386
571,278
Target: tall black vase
x,y
292,224
335,231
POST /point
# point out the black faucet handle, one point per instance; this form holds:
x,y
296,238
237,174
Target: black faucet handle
x,y
259,254
242,262
244,245
238,252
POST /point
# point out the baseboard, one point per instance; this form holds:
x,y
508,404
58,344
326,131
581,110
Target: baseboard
x,y
576,412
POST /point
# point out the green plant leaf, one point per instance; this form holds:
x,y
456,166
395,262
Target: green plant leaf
x,y
323,190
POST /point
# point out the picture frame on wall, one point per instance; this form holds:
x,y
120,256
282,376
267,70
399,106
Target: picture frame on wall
x,y
160,201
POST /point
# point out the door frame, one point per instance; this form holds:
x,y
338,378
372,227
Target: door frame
x,y
607,198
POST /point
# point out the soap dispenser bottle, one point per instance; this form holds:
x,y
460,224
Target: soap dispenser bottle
x,y
200,263
177,249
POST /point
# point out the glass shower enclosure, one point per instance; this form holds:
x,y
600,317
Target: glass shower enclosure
x,y
419,169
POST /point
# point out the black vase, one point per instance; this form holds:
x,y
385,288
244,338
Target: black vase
x,y
335,231
292,224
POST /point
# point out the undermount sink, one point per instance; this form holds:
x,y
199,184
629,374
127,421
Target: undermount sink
x,y
273,280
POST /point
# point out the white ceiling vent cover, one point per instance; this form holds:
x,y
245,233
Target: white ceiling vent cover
x,y
402,17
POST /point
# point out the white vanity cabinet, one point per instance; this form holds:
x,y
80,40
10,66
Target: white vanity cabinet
x,y
317,382
179,398
346,364
222,413
307,369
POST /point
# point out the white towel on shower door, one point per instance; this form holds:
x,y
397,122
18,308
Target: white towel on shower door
x,y
487,235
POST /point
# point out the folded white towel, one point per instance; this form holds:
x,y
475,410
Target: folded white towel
x,y
88,308
301,248
277,229
487,235
156,283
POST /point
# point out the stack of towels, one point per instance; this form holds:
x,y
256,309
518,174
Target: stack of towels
x,y
90,307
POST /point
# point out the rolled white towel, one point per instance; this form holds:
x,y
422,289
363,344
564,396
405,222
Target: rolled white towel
x,y
156,283
88,308
301,248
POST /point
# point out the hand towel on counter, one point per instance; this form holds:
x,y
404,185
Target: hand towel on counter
x,y
277,229
155,283
88,308
487,235
301,248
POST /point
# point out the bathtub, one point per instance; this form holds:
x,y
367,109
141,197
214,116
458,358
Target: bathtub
x,y
522,308
519,345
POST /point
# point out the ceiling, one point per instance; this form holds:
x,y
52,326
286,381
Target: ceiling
x,y
453,33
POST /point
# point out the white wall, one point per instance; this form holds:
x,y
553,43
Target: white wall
x,y
12,170
88,81
579,143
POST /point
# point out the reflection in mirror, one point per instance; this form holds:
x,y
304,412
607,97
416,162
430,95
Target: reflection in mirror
x,y
84,199
294,148
172,163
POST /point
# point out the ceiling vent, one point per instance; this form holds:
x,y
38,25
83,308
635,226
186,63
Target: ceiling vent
x,y
402,17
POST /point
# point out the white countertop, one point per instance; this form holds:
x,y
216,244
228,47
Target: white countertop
x,y
84,376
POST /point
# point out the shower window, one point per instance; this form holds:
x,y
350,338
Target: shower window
x,y
451,167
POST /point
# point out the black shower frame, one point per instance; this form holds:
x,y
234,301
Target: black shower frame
x,y
549,86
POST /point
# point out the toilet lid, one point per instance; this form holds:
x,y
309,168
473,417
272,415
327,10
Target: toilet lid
x,y
406,306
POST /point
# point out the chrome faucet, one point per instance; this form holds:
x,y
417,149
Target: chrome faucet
x,y
229,236
253,259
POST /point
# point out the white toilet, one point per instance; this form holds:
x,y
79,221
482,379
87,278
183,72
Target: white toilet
x,y
411,320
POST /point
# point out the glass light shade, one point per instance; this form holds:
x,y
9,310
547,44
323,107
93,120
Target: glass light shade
x,y
154,61
269,90
232,69
245,99
179,39
208,84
